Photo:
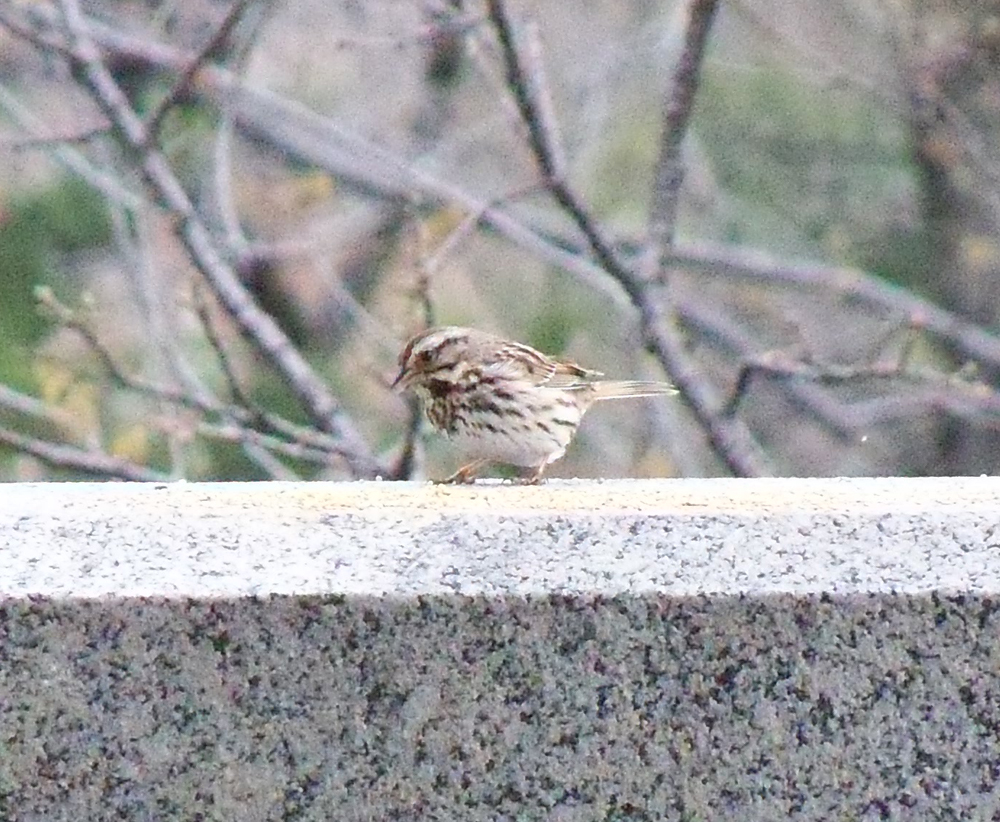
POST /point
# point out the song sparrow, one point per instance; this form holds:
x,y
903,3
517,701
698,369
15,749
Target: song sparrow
x,y
501,401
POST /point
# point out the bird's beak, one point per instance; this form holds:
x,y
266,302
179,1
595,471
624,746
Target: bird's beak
x,y
402,381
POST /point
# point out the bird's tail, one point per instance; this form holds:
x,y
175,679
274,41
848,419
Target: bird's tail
x,y
620,389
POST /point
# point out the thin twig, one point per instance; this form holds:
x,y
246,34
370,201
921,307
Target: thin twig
x,y
468,223
60,455
959,395
34,407
273,467
108,185
256,325
714,324
668,173
778,364
481,51
426,266
53,141
972,403
519,84
732,443
132,230
541,95
307,437
754,266
430,264
183,82
201,308
45,43
225,198
730,439
542,144
231,432
806,382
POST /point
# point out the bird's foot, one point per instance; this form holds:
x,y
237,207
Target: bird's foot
x,y
464,475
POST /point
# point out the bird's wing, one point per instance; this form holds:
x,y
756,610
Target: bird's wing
x,y
521,362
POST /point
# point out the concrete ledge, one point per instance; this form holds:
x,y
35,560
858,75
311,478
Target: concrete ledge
x,y
690,650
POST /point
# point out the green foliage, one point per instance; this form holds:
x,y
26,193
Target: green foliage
x,y
830,166
69,216
620,185
185,136
551,328
37,229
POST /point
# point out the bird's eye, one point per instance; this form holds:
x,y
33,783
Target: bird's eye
x,y
422,358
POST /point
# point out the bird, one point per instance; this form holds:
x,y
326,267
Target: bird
x,y
502,401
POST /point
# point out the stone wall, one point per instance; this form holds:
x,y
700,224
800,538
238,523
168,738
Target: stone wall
x,y
684,650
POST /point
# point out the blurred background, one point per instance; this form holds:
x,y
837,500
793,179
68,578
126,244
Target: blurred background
x,y
827,301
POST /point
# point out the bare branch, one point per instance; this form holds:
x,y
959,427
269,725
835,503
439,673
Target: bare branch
x,y
953,393
225,200
256,325
59,455
668,174
232,432
60,139
44,42
720,329
246,418
732,443
269,464
221,354
757,267
541,94
426,266
183,82
132,231
519,84
430,264
543,146
780,364
69,157
34,407
807,383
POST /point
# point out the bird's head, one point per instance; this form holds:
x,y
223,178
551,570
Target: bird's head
x,y
435,356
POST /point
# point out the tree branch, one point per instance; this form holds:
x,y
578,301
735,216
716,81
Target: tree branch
x,y
302,134
246,418
183,82
668,174
760,268
542,144
59,455
730,439
256,325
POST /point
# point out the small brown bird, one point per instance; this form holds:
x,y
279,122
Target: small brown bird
x,y
502,401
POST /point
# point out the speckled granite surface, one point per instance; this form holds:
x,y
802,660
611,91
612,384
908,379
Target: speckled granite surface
x,y
697,650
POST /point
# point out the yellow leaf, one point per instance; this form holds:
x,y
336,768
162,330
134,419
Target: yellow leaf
x,y
75,402
132,443
439,225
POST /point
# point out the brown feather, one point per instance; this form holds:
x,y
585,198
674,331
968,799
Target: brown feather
x,y
503,401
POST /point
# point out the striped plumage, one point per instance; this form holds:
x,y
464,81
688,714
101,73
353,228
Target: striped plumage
x,y
503,401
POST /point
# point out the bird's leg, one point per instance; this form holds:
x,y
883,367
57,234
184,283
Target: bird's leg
x,y
535,477
467,473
